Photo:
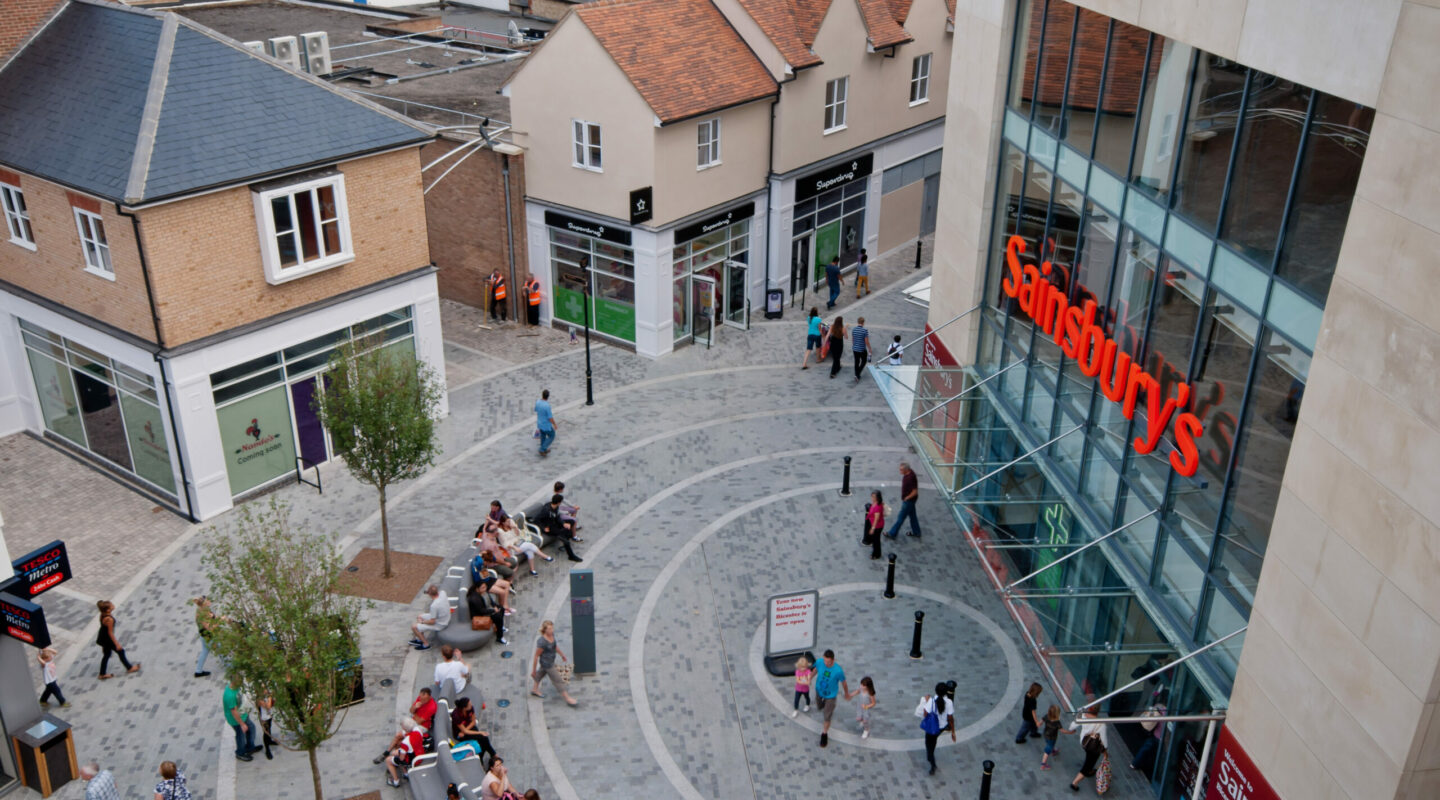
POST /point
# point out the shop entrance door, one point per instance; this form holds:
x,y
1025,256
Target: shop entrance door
x,y
800,249
309,433
703,299
930,205
737,301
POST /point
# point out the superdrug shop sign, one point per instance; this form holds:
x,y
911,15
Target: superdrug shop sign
x,y
826,179
584,227
40,570
714,223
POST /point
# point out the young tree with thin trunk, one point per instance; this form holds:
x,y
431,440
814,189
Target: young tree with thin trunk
x,y
380,408
281,626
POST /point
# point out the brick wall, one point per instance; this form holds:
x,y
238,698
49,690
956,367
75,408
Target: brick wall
x,y
19,19
550,9
1127,59
466,214
56,268
205,252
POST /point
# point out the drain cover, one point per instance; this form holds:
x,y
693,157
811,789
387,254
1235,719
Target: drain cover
x,y
503,703
506,654
386,682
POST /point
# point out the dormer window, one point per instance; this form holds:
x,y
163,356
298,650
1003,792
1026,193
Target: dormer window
x,y
304,227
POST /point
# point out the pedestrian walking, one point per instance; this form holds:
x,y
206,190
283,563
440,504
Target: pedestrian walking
x,y
549,522
875,516
909,493
937,714
833,277
813,339
239,720
434,620
109,644
1051,732
1153,731
804,676
862,274
545,422
46,657
532,298
498,305
860,346
837,344
829,682
1094,740
896,352
265,711
172,783
99,783
204,623
863,706
1029,719
542,663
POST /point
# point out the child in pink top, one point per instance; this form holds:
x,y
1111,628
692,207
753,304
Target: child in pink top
x,y
875,518
804,676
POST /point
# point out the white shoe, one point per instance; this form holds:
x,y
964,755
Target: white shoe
x,y
865,734
794,714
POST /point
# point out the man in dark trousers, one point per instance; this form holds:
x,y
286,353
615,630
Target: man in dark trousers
x,y
499,297
550,523
832,276
909,493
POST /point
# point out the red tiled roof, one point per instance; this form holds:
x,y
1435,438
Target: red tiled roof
x,y
790,28
682,55
881,27
901,9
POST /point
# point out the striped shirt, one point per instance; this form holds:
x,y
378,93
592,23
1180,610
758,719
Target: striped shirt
x,y
860,339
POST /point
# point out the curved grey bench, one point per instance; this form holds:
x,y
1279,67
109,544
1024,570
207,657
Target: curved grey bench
x,y
424,779
457,633
522,520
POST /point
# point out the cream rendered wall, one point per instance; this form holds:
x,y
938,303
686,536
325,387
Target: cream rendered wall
x,y
967,179
750,31
682,189
572,77
879,94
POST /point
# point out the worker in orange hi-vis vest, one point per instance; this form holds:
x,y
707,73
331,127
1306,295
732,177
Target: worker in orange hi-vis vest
x,y
498,305
532,295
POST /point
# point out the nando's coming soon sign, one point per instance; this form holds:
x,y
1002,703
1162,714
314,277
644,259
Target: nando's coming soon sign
x,y
1079,332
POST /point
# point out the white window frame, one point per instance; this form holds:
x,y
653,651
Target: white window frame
x,y
707,146
920,79
275,272
17,216
94,244
837,92
587,151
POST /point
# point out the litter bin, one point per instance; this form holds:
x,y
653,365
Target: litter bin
x,y
774,304
45,755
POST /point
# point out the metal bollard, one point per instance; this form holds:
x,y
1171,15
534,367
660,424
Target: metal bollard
x,y
890,578
845,481
915,640
985,779
918,247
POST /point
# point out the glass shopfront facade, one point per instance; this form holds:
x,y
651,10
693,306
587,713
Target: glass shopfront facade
x,y
107,409
601,270
711,275
1199,205
264,408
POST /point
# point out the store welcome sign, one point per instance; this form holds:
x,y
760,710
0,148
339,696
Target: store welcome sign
x,y
1076,332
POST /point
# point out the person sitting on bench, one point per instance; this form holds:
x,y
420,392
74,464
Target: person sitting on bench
x,y
485,605
552,525
568,513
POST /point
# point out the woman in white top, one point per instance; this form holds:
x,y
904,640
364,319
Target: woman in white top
x,y
509,537
496,782
1095,739
944,710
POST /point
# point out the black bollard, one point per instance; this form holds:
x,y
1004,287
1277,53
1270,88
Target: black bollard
x,y
845,481
918,247
985,779
890,578
915,640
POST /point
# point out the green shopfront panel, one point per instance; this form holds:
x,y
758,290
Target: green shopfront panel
x,y
255,434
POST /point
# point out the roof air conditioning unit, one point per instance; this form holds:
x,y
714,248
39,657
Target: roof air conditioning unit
x,y
514,31
286,50
258,47
317,52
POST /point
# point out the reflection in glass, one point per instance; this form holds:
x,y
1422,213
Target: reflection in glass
x,y
1049,90
1026,54
1087,59
1160,115
1329,170
1121,104
1205,153
100,409
1264,163
1011,178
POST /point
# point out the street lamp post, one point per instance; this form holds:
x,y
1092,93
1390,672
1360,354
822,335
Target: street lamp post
x,y
589,384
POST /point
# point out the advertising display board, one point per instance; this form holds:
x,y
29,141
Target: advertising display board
x,y
39,570
24,620
1233,776
790,622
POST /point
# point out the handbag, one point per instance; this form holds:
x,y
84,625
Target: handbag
x,y
481,624
565,671
1091,744
930,723
1103,776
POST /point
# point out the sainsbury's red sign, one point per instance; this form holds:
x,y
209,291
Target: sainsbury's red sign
x,y
1233,776
1076,331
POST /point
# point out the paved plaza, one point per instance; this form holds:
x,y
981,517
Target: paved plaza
x,y
708,481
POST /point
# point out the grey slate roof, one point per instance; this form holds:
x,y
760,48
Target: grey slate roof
x,y
74,105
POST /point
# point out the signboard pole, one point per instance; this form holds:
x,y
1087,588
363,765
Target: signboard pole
x,y
1199,789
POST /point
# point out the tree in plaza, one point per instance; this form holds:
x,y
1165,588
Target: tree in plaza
x,y
380,408
282,628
